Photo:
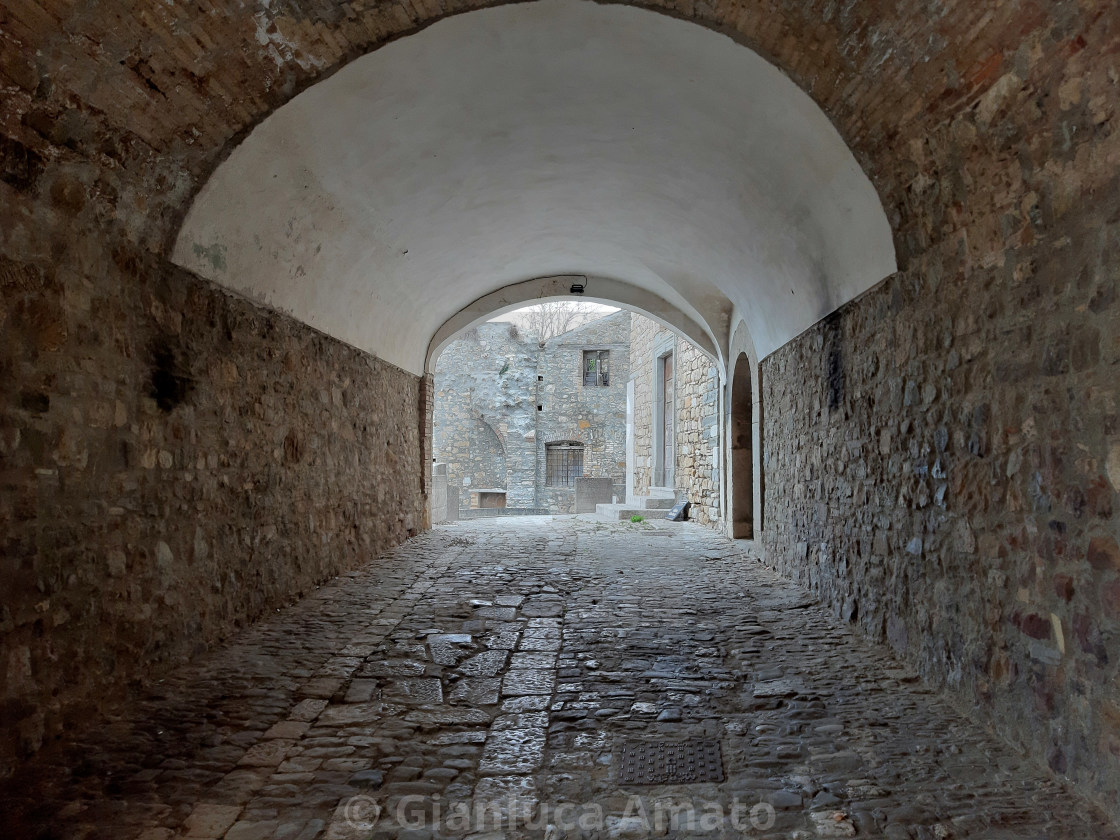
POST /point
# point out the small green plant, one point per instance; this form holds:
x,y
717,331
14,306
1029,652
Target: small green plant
x,y
637,517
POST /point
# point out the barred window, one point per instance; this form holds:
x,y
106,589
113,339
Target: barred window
x,y
596,367
563,464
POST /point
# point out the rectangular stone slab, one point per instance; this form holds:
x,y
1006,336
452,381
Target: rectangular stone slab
x,y
485,664
512,751
525,681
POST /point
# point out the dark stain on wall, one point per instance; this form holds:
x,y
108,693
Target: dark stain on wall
x,y
834,360
169,384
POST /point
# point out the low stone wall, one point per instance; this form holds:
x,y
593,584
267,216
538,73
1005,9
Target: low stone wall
x,y
487,513
175,462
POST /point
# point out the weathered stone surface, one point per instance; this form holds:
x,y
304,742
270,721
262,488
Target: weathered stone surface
x,y
447,716
202,460
935,473
485,664
367,779
513,751
487,427
266,753
477,691
528,682
351,713
210,821
418,690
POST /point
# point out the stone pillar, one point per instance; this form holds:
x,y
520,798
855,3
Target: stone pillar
x,y
427,390
454,491
629,492
438,497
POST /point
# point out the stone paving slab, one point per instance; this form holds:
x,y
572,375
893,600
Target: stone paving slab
x,y
478,682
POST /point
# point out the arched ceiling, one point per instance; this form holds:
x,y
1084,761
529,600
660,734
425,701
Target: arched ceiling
x,y
550,138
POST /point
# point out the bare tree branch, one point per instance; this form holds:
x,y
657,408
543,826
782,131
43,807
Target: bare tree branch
x,y
548,320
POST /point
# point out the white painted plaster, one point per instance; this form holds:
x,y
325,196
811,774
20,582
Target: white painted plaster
x,y
547,138
598,290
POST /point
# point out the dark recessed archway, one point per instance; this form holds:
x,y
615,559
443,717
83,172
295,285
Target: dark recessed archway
x,y
742,451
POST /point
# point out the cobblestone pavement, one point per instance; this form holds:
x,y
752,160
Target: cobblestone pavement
x,y
482,679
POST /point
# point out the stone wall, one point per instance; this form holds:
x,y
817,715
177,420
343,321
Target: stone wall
x,y
174,462
942,468
696,425
484,424
594,415
488,428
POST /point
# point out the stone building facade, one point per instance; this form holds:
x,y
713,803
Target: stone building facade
x,y
512,415
688,394
504,406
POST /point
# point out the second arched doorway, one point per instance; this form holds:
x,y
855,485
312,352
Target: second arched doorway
x,y
742,423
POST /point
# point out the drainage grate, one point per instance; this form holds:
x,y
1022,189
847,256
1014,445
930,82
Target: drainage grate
x,y
669,762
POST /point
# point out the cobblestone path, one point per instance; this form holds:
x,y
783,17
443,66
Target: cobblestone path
x,y
482,681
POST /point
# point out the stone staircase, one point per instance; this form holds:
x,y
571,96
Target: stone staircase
x,y
654,506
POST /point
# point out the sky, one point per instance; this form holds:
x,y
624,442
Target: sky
x,y
600,309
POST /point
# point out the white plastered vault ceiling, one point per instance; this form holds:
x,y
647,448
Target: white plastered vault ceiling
x,y
559,137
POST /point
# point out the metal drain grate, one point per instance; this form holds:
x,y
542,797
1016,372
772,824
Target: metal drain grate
x,y
669,762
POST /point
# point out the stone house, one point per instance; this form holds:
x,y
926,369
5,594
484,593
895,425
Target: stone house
x,y
622,397
515,416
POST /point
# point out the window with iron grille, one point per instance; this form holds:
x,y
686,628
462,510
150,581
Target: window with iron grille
x,y
563,463
596,367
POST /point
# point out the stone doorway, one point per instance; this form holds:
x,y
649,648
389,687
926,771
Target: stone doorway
x,y
742,451
664,422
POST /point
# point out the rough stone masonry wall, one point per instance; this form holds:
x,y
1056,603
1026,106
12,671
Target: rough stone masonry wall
x,y
592,415
485,412
488,429
696,427
174,462
943,454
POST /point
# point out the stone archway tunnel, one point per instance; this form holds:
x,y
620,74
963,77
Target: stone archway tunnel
x,y
233,240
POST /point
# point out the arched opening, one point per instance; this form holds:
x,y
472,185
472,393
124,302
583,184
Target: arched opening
x,y
639,159
742,423
680,319
638,396
560,137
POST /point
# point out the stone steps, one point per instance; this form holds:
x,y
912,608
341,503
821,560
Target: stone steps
x,y
650,507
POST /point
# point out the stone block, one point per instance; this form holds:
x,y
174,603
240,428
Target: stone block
x,y
591,491
438,497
